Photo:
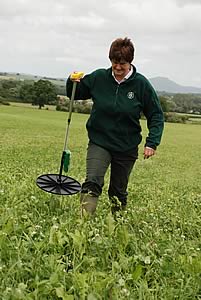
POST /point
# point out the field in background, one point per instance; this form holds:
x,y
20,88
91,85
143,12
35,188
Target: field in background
x,y
151,252
192,118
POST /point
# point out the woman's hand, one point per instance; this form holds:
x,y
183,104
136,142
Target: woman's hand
x,y
148,152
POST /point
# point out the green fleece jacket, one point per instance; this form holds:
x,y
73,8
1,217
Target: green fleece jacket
x,y
114,122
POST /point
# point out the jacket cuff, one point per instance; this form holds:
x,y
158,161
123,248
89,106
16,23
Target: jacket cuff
x,y
152,146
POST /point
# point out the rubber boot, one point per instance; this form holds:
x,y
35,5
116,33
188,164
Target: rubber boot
x,y
88,203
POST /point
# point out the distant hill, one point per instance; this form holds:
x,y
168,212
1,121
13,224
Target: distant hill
x,y
163,84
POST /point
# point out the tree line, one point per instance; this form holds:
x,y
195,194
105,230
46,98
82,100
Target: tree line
x,y
42,92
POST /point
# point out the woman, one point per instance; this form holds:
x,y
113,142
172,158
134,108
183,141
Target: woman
x,y
119,96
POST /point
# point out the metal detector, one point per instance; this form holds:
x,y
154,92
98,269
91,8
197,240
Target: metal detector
x,y
58,183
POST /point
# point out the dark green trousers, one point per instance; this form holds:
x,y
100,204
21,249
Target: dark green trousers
x,y
98,161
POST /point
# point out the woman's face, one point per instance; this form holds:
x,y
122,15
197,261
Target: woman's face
x,y
120,68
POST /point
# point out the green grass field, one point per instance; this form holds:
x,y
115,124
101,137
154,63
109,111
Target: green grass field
x,y
47,251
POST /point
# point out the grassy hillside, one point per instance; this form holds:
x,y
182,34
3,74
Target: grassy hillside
x,y
23,77
151,252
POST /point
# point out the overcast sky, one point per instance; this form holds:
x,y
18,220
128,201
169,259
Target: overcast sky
x,y
56,37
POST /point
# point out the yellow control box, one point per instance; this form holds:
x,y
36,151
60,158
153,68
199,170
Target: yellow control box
x,y
77,75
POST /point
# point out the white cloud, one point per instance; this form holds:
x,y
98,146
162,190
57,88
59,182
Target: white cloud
x,y
54,37
188,2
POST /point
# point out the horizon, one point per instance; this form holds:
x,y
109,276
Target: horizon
x,y
56,77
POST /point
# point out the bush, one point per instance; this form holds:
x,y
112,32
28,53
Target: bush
x,y
60,107
82,107
3,102
175,118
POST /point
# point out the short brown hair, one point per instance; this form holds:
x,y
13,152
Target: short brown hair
x,y
122,49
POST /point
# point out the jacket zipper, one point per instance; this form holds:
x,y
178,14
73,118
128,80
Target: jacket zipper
x,y
116,94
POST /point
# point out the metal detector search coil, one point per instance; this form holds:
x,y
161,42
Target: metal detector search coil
x,y
64,185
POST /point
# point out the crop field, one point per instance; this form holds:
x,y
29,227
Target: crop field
x,y
152,251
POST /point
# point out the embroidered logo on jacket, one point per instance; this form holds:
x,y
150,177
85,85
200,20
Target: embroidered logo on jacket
x,y
131,95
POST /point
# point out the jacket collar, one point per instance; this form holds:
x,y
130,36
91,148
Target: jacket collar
x,y
131,73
